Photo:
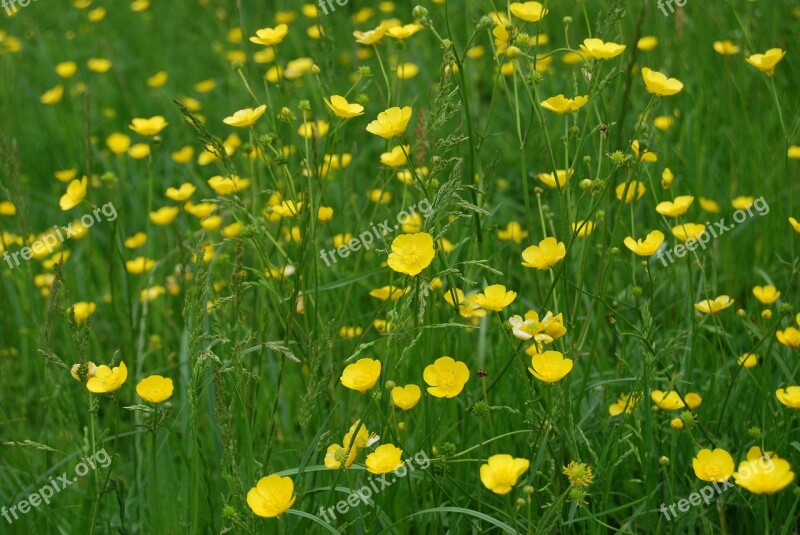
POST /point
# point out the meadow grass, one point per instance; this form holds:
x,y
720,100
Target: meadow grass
x,y
263,338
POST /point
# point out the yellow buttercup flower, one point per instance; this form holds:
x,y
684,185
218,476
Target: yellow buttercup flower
x,y
391,123
663,122
647,156
107,379
396,157
634,190
386,458
767,61
246,117
229,184
763,473
790,337
671,401
548,253
181,193
597,49
795,224
343,109
406,397
688,231
371,37
725,48
312,129
136,241
742,202
675,208
748,360
789,396
65,175
164,216
625,403
495,297
501,472
155,388
446,377
76,192
52,96
99,65
709,205
512,232
561,105
714,306
658,83
387,293
550,366
647,43
271,496
148,127
528,11
411,253
766,295
715,466
361,375
270,36
583,228
66,69
403,32
83,311
158,79
91,369
338,456
139,151
118,143
7,208
558,181
648,246
793,152
139,265
666,178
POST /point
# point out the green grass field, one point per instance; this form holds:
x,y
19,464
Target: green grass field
x,y
378,268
